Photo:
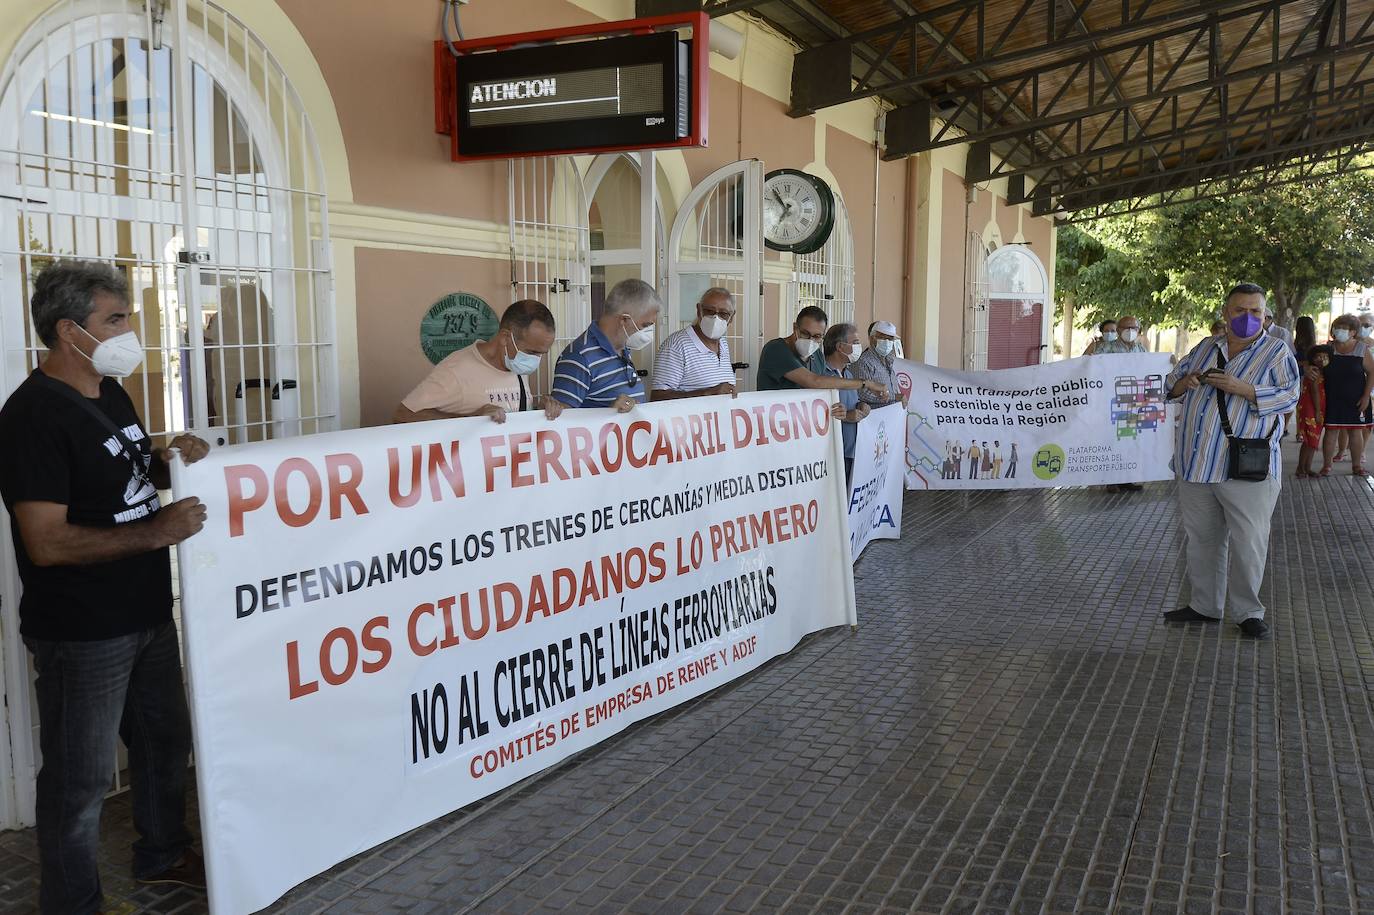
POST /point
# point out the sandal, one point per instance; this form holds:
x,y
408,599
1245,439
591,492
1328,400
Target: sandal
x,y
1325,471
1340,456
1302,474
1358,470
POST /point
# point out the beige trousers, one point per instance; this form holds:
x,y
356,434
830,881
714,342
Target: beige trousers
x,y
1228,544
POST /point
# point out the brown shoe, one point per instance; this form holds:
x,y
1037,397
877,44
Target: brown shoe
x,y
189,871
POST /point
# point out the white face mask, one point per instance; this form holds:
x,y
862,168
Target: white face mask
x,y
642,336
116,357
1109,336
521,363
1129,334
1340,334
806,348
854,351
885,347
1367,330
713,327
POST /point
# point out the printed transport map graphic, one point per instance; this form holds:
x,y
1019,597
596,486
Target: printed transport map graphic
x,y
1137,405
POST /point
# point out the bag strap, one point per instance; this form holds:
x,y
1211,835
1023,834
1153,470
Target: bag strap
x,y
1221,400
1221,406
130,450
524,396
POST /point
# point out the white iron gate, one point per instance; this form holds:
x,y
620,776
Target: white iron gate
x,y
163,138
549,245
825,277
717,240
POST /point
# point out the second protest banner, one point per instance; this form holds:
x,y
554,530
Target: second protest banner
x,y
387,624
1094,420
875,492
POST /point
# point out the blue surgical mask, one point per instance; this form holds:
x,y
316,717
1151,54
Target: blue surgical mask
x,y
521,363
885,347
1109,336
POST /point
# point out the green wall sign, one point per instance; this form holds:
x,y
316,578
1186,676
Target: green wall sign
x,y
454,322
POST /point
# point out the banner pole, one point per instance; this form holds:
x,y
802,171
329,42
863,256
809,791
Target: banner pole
x,y
841,487
200,729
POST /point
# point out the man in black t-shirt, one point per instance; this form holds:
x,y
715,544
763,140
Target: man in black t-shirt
x,y
80,479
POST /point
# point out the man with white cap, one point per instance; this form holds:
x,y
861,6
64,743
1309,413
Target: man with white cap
x,y
876,364
1275,329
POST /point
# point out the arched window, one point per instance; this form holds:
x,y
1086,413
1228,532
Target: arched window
x,y
100,160
1018,296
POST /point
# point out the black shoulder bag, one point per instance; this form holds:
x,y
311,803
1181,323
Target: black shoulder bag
x,y
1246,458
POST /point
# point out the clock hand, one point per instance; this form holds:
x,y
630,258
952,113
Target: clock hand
x,y
778,198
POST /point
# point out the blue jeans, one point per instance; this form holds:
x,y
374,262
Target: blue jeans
x,y
89,693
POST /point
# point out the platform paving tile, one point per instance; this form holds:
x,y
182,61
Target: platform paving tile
x,y
1011,729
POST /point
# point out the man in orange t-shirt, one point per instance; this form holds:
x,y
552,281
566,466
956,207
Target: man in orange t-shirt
x,y
488,377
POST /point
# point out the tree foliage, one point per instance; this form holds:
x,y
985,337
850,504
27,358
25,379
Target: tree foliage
x,y
1172,266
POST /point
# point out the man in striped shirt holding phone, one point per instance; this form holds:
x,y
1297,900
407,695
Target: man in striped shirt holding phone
x,y
1255,377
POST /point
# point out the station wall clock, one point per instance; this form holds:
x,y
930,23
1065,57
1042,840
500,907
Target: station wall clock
x,y
798,211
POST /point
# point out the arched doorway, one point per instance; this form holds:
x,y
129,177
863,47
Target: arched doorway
x,y
1018,296
165,139
613,217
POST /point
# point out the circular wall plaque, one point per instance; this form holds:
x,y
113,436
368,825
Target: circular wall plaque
x,y
454,322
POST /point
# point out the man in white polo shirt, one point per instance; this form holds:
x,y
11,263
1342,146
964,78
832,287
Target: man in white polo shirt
x,y
695,361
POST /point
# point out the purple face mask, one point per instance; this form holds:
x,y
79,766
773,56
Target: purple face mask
x,y
1245,325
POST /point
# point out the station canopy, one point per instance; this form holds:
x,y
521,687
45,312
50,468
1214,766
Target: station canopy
x,y
1091,107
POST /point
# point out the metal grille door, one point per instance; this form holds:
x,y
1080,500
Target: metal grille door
x,y
825,277
717,240
976,304
549,245
164,139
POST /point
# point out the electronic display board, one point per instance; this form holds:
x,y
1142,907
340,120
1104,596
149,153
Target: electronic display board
x,y
623,91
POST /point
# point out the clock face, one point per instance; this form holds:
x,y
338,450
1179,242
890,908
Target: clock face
x,y
798,211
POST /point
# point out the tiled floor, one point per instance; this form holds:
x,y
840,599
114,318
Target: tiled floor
x,y
1011,730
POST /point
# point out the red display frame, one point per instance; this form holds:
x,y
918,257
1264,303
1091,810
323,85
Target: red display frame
x,y
445,78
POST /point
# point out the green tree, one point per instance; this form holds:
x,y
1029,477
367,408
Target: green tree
x,y
1299,241
1172,266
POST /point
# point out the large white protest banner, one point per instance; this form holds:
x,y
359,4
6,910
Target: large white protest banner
x,y
875,493
387,624
1095,420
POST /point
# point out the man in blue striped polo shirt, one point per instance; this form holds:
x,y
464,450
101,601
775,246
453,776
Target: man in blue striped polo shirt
x,y
1227,521
595,370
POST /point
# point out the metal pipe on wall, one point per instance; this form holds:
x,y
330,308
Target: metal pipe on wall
x,y
648,211
879,127
909,255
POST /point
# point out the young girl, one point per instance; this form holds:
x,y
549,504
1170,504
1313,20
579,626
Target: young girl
x,y
1312,409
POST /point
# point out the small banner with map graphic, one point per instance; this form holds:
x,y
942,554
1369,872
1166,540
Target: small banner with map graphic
x,y
1082,422
875,492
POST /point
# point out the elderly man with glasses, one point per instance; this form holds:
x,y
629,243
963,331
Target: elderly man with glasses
x,y
596,370
695,361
